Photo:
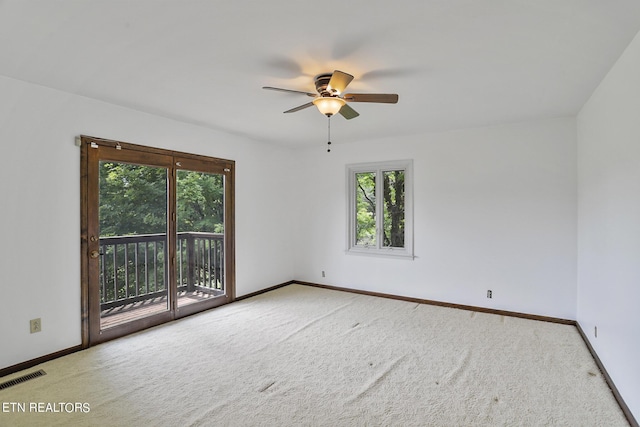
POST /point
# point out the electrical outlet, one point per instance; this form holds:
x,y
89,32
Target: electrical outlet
x,y
489,294
35,325
322,273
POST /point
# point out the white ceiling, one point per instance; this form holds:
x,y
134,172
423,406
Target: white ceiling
x,y
455,63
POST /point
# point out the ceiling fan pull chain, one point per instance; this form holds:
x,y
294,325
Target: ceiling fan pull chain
x,y
329,134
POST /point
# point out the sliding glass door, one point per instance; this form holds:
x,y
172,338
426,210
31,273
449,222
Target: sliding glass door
x,y
132,259
201,237
157,236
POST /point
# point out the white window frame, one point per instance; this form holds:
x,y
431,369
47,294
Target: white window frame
x,y
378,168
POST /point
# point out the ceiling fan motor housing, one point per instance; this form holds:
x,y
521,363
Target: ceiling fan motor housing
x,y
322,81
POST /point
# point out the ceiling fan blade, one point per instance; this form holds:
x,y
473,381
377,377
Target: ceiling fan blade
x,y
348,112
339,81
290,90
385,98
301,107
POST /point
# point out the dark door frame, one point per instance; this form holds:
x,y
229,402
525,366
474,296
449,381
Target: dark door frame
x,y
93,149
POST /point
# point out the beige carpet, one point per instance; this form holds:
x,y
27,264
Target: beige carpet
x,y
302,356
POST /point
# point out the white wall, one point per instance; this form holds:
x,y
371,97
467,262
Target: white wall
x,y
495,208
609,223
40,191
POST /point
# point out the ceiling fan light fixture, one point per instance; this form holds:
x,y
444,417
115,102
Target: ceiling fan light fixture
x,y
329,105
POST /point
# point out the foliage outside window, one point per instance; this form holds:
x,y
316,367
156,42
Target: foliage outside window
x,y
380,209
133,200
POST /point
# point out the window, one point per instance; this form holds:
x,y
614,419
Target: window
x,y
380,208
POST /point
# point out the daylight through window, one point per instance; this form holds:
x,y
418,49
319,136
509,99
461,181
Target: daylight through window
x,y
380,209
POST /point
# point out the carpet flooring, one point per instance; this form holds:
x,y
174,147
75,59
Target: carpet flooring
x,y
304,356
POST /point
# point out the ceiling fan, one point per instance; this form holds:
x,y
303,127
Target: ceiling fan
x,y
330,99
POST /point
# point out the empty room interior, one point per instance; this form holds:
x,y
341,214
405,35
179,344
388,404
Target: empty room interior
x,y
170,166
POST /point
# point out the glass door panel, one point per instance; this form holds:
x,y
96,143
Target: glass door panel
x,y
200,238
132,217
157,236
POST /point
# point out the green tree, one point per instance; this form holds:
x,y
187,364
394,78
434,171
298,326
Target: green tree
x,y
366,209
393,202
133,200
200,202
393,194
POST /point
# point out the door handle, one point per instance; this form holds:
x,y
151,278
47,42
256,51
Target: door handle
x,y
94,254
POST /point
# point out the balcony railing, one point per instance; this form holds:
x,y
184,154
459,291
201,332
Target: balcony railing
x,y
134,268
